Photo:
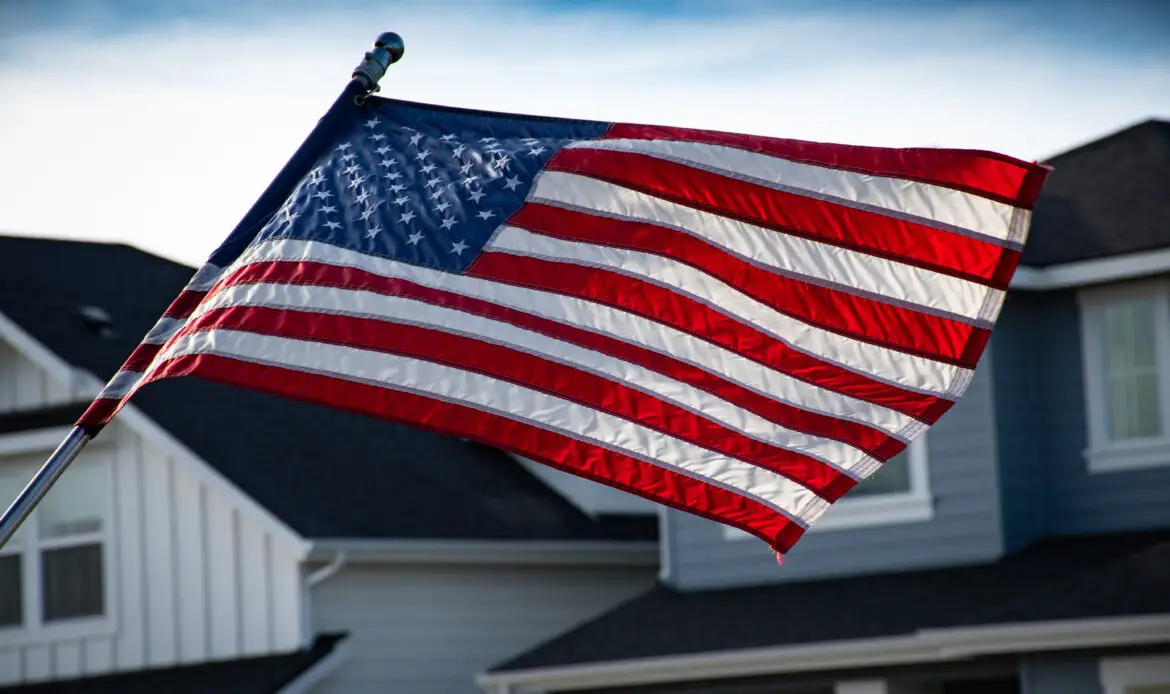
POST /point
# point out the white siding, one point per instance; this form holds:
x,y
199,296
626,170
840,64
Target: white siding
x,y
194,577
429,630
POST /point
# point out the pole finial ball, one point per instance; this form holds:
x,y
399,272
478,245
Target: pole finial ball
x,y
393,44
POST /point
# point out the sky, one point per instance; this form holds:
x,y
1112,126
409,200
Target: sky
x,y
159,123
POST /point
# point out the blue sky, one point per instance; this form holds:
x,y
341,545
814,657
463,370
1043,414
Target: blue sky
x,y
158,123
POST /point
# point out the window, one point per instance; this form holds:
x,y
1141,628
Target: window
x,y
1126,351
1135,675
899,492
54,571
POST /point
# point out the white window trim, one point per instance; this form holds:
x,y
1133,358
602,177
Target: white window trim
x,y
879,510
1103,455
1119,674
34,630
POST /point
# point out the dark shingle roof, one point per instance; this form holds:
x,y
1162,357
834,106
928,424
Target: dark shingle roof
x,y
260,675
324,472
1109,197
1064,578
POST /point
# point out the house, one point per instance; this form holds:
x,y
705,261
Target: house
x,y
1022,546
213,539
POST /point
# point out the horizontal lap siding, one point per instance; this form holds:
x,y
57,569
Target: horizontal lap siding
x,y
430,630
965,527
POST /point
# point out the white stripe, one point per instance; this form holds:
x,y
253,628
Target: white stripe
x,y
163,330
120,385
923,201
516,402
205,278
820,263
874,360
612,323
365,304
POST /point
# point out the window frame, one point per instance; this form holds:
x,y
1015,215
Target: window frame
x,y
1101,454
34,629
915,505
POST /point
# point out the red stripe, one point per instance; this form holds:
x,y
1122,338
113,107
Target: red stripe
x,y
875,442
530,371
987,174
857,317
690,316
98,414
141,357
185,303
796,215
551,448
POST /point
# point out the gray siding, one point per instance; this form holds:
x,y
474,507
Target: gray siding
x,y
429,630
1054,675
965,527
1047,487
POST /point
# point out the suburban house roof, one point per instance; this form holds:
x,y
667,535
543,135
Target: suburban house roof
x,y
326,473
259,675
1067,578
1106,198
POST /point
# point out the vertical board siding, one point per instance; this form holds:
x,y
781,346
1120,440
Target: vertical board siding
x,y
193,577
430,630
965,527
1055,675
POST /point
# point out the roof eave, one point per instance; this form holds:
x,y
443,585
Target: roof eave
x,y
1092,271
608,553
923,646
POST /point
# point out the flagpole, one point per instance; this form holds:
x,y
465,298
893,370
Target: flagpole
x,y
388,49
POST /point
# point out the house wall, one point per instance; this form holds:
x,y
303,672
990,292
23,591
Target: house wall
x,y
193,577
430,629
965,527
1041,411
1059,675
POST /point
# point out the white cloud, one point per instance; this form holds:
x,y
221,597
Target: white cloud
x,y
164,138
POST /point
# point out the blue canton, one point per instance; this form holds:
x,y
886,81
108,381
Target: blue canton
x,y
422,185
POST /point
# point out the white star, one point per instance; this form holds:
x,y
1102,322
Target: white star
x,y
438,193
393,176
328,209
475,195
466,168
448,222
350,169
535,151
397,188
367,213
323,195
422,156
427,169
512,183
432,182
487,139
348,157
458,248
501,161
382,150
448,137
531,141
357,181
442,207
344,146
415,138
414,238
377,136
485,214
371,122
373,231
365,195
407,216
400,201
470,179
333,226
458,151
388,163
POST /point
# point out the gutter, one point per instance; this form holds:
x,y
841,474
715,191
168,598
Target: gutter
x,y
326,572
923,646
490,552
1093,271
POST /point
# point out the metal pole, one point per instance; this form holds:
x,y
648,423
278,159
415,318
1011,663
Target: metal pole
x,y
388,49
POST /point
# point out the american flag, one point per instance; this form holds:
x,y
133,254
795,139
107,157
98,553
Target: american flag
x,y
740,327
